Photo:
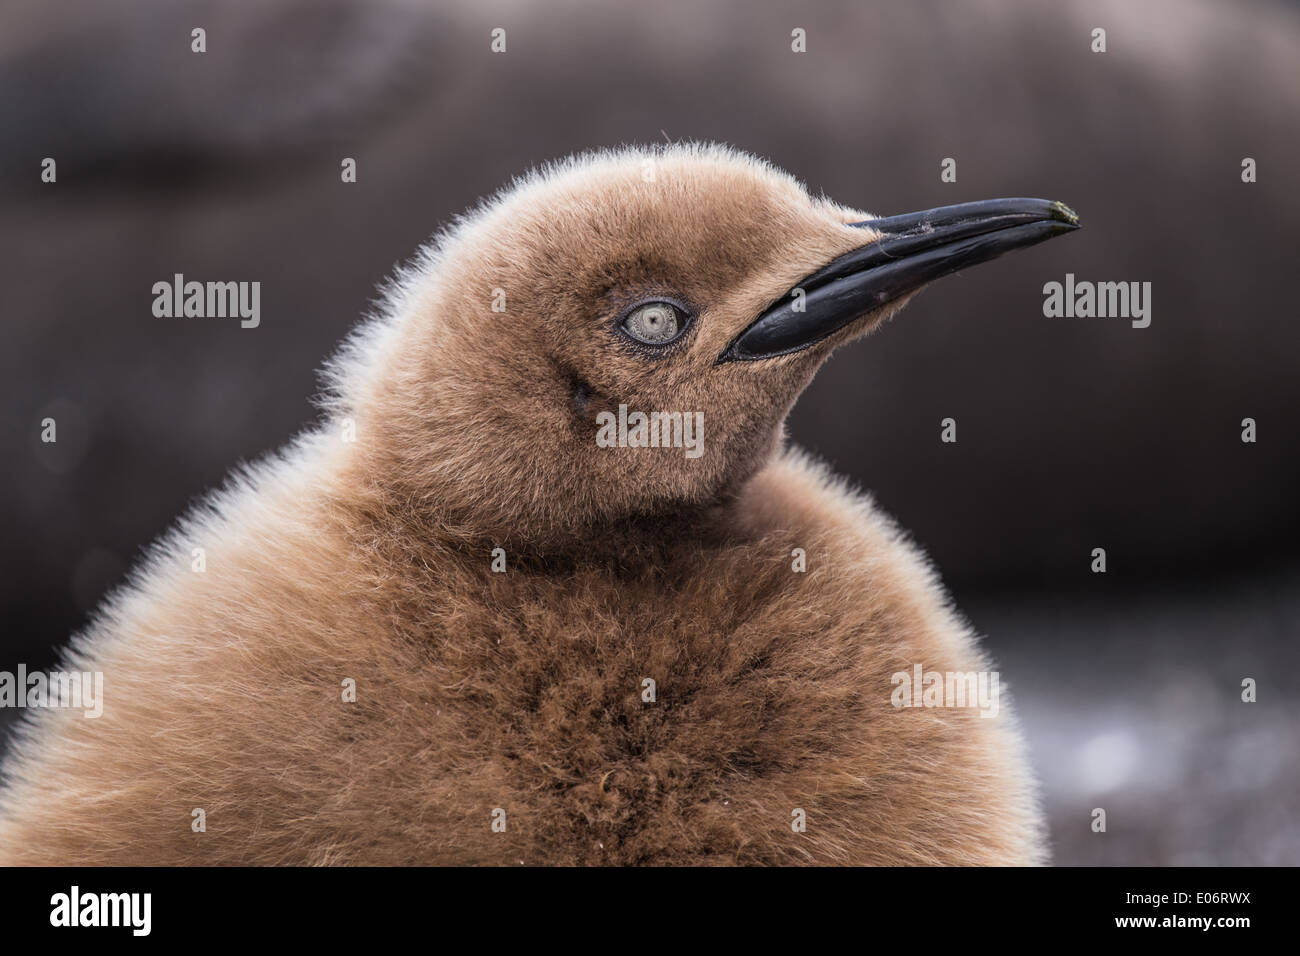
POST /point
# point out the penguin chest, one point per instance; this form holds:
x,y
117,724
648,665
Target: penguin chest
x,y
643,723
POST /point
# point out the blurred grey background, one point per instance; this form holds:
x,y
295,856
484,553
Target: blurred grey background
x,y
1073,433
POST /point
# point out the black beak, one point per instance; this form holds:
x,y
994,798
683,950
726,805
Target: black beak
x,y
915,248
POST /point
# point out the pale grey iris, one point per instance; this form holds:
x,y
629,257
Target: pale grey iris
x,y
653,323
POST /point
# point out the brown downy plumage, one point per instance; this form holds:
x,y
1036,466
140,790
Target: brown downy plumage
x,y
504,717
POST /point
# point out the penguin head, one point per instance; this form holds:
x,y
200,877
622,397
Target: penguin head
x,y
619,337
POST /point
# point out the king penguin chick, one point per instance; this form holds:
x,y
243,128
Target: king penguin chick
x,y
470,620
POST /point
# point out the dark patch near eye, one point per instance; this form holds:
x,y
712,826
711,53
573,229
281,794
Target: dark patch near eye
x,y
581,393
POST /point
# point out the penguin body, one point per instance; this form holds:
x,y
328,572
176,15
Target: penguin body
x,y
450,627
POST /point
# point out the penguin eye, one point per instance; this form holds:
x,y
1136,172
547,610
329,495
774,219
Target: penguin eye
x,y
655,323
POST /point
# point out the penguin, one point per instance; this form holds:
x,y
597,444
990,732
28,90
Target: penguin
x,y
499,608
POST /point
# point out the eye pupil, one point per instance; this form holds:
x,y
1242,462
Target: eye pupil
x,y
654,323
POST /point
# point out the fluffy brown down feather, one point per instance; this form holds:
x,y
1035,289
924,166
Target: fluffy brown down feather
x,y
370,559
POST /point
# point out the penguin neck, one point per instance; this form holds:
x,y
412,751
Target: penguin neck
x,y
630,544
418,526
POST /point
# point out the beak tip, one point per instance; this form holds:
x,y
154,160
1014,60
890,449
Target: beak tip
x,y
1065,215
